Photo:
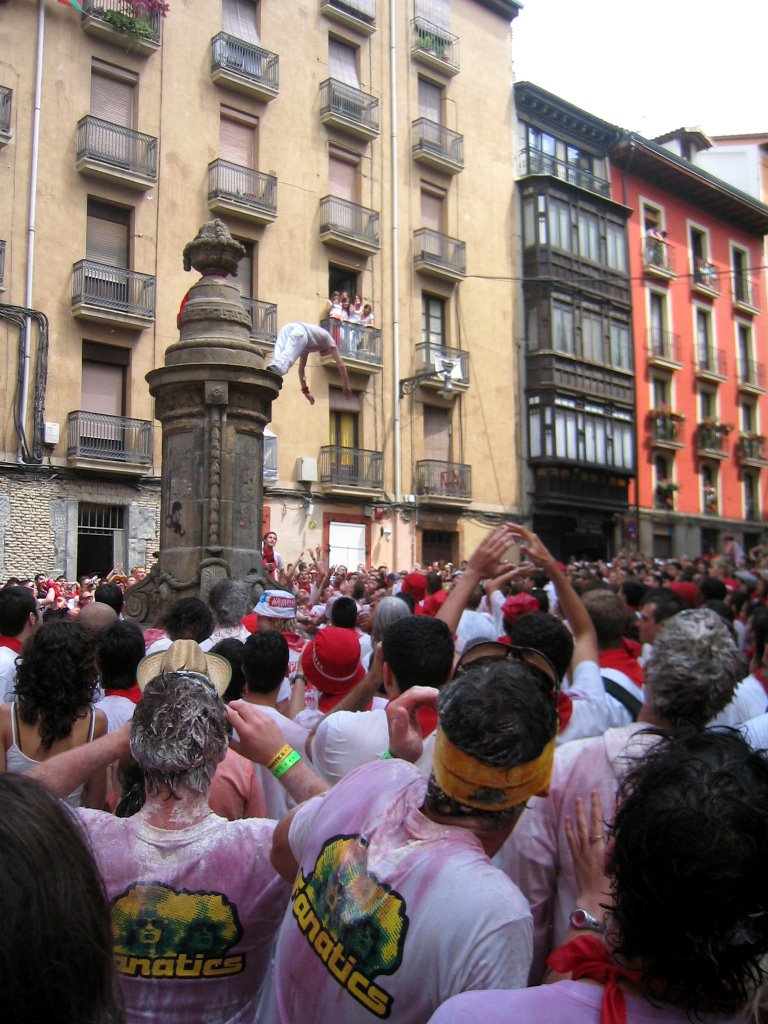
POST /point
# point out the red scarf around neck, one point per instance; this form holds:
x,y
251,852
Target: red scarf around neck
x,y
588,957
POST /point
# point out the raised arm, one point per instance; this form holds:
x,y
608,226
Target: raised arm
x,y
484,562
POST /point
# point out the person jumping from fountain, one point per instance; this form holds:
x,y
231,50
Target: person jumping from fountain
x,y
296,341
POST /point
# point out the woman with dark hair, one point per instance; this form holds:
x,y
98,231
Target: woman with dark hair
x,y
55,934
682,935
53,712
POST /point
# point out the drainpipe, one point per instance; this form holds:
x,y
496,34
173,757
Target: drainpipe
x,y
397,450
32,214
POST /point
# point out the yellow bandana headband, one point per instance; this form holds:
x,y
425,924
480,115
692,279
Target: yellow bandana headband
x,y
475,784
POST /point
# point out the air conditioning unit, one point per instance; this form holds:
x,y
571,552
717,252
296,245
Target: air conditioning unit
x,y
409,499
306,470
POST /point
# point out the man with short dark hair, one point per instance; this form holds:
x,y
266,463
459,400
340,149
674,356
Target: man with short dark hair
x,y
119,650
19,618
435,597
416,651
110,594
189,619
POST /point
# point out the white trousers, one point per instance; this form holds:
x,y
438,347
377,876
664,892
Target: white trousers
x,y
289,344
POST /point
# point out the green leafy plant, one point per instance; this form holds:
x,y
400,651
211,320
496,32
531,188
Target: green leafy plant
x,y
128,24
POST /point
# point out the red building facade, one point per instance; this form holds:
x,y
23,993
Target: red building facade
x,y
700,331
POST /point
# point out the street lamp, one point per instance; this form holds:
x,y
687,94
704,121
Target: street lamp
x,y
409,384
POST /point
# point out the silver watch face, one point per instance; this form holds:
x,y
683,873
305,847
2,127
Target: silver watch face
x,y
582,919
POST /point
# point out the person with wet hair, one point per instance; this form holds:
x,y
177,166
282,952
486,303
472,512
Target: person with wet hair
x,y
387,853
228,600
692,675
678,929
55,938
175,863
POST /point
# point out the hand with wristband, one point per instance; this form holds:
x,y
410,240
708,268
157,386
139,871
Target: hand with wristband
x,y
306,392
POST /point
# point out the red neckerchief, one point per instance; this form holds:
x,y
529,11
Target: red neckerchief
x,y
621,659
564,709
759,675
13,642
588,957
133,694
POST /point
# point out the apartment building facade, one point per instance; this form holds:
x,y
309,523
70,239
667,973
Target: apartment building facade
x,y
578,362
349,145
699,308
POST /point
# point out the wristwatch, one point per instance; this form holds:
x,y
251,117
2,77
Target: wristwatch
x,y
582,920
299,675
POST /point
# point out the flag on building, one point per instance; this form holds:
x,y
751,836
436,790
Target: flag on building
x,y
72,3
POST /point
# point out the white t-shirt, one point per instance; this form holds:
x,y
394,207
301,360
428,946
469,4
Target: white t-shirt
x,y
276,798
194,913
577,1002
749,701
347,740
391,913
118,710
8,659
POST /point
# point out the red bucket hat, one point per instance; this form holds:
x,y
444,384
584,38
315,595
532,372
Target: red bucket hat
x,y
331,662
517,605
415,584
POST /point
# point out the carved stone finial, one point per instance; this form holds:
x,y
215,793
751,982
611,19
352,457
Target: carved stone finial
x,y
213,250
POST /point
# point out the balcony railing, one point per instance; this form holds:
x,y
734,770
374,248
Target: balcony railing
x,y
706,276
752,375
746,292
92,435
710,361
435,46
243,187
359,13
354,341
117,18
351,467
666,429
444,362
113,288
534,161
6,99
664,346
443,479
2,263
434,143
263,320
117,147
345,222
439,254
658,256
347,107
245,66
752,449
709,501
270,457
664,497
712,439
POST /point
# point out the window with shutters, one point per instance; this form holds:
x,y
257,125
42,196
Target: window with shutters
x,y
433,327
104,372
343,175
344,431
246,268
240,18
113,92
237,137
107,233
432,208
430,101
437,434
342,62
437,12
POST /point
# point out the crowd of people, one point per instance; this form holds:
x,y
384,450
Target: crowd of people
x,y
509,790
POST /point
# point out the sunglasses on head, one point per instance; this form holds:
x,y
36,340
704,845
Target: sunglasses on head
x,y
495,650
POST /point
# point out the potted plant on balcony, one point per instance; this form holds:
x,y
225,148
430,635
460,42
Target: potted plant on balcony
x,y
751,444
665,493
133,20
434,44
666,422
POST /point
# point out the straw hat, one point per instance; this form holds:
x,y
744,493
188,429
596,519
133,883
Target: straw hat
x,y
185,655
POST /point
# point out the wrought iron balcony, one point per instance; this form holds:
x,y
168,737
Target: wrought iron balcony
x,y
351,468
359,346
752,450
710,362
2,263
444,362
712,440
658,257
110,151
439,255
112,295
435,47
664,497
444,482
359,14
118,22
666,430
270,458
709,501
349,109
241,190
92,436
437,146
706,278
664,348
752,376
348,225
244,67
534,161
746,293
6,100
263,320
